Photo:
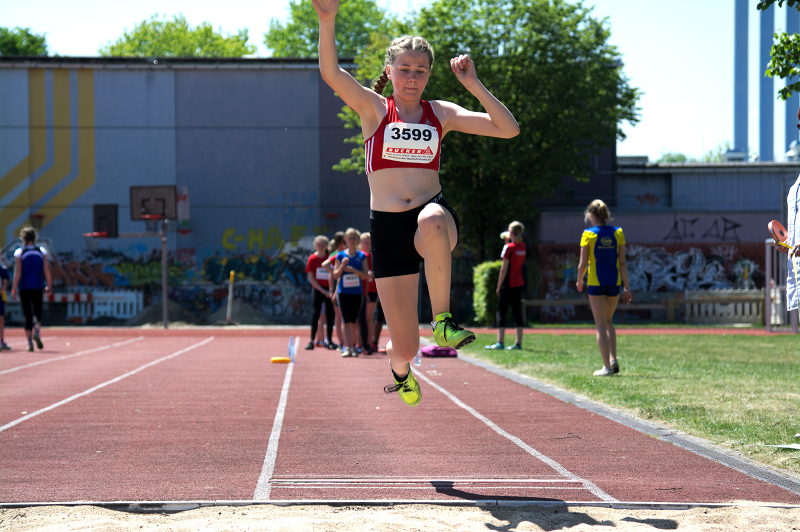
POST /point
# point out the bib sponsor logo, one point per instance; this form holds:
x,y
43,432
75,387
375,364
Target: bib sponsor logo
x,y
606,242
410,143
323,274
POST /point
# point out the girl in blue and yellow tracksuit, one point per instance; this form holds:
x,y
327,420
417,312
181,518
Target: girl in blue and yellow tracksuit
x,y
603,258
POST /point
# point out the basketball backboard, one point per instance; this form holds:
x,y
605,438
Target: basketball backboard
x,y
153,200
104,219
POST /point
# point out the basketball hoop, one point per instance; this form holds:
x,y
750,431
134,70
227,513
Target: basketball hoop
x,y
151,222
36,220
92,239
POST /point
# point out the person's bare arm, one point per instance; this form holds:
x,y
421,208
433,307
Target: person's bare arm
x,y
361,99
627,295
496,121
583,265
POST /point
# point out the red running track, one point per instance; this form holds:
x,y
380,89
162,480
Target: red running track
x,y
109,415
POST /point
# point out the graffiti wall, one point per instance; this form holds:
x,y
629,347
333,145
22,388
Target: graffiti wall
x,y
658,269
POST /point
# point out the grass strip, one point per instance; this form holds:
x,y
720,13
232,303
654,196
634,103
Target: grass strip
x,y
739,392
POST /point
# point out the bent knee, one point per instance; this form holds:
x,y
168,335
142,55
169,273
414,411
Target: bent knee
x,y
432,219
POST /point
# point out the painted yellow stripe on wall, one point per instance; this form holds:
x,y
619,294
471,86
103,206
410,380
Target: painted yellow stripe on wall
x,y
86,154
36,135
62,153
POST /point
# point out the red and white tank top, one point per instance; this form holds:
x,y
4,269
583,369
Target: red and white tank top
x,y
397,144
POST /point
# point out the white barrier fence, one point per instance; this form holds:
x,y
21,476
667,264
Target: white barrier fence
x,y
118,304
724,306
87,306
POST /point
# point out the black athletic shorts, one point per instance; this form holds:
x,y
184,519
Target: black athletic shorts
x,y
393,251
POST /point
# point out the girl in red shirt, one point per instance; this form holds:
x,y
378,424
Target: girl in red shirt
x,y
510,285
318,277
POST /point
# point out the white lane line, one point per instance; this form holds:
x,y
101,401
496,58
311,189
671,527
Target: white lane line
x,y
103,385
392,489
521,444
64,357
456,480
263,489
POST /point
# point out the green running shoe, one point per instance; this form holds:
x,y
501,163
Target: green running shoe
x,y
408,389
447,332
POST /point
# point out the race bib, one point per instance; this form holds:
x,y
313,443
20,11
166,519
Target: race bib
x,y
323,274
350,280
410,143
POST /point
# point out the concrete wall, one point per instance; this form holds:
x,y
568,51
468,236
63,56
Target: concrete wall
x,y
253,140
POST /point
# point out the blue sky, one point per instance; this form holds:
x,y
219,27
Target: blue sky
x,y
680,56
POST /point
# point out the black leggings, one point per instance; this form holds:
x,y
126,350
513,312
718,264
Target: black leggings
x,y
31,301
510,297
319,300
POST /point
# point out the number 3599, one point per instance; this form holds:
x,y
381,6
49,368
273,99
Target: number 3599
x,y
411,134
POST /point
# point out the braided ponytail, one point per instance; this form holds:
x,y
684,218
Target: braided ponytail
x,y
380,83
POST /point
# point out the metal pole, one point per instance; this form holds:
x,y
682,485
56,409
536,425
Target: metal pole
x,y
230,298
768,282
164,287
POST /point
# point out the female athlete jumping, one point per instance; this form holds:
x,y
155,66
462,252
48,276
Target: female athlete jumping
x,y
410,221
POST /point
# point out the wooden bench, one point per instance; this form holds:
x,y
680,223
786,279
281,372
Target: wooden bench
x,y
667,302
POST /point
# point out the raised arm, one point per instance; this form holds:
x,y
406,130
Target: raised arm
x,y
497,121
361,99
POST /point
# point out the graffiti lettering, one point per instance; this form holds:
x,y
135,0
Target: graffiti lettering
x,y
255,239
721,229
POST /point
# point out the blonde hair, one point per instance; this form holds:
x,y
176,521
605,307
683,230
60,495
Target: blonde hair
x,y
352,231
516,228
406,43
336,242
505,235
28,234
599,210
321,239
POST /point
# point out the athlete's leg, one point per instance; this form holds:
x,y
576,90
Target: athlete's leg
x,y
337,312
329,318
516,311
500,315
398,297
435,239
611,308
599,306
316,302
26,302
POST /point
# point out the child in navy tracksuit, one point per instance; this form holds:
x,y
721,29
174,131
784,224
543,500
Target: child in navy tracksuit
x,y
31,279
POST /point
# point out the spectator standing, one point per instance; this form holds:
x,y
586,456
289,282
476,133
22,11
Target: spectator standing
x,y
603,258
318,277
511,285
31,279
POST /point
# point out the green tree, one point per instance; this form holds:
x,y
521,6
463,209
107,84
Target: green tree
x,y
716,155
784,60
357,21
20,41
551,64
175,38
673,157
